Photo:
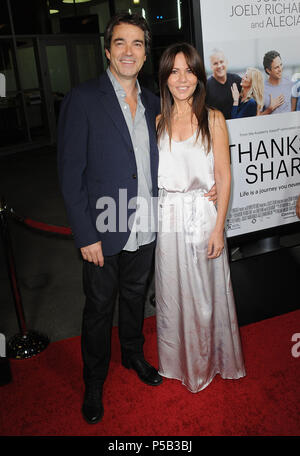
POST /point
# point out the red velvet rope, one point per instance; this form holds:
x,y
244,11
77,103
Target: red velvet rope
x,y
41,226
48,228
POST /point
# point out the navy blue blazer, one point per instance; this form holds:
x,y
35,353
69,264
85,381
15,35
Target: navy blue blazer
x,y
96,159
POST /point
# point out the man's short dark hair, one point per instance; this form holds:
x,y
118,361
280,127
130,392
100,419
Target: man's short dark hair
x,y
268,59
126,18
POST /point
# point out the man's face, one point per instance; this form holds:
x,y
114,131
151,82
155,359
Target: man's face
x,y
218,65
276,69
127,52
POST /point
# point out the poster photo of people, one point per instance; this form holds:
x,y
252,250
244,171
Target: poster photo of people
x,y
253,68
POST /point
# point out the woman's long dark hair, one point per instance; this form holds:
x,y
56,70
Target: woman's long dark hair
x,y
199,108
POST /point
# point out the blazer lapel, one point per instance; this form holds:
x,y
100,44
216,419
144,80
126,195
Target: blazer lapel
x,y
110,103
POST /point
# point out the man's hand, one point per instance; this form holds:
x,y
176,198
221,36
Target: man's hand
x,y
212,194
93,254
276,102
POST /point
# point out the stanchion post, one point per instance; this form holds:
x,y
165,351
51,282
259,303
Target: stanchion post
x,y
26,343
5,370
7,247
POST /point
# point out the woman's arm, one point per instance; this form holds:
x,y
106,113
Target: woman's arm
x,y
222,172
236,98
235,94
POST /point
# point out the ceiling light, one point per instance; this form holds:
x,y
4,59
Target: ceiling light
x,y
179,14
76,1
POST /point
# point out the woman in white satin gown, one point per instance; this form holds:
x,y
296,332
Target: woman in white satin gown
x,y
197,328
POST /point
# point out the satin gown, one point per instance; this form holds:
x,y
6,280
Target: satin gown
x,y
197,328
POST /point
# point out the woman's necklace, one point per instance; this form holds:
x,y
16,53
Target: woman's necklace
x,y
183,113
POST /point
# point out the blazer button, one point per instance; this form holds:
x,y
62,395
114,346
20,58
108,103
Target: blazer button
x,y
134,176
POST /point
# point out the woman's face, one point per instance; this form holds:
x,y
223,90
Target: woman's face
x,y
182,82
246,81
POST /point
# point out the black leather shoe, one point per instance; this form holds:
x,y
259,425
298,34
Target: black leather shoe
x,y
92,407
146,373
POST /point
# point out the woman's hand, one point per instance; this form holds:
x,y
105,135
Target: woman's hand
x,y
215,244
235,94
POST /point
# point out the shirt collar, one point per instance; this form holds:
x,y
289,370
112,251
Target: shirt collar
x,y
117,86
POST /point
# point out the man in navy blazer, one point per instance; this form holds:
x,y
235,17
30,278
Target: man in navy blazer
x,y
107,158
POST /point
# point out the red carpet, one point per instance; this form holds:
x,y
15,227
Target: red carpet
x,y
45,396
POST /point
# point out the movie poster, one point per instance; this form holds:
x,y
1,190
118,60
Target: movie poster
x,y
253,45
